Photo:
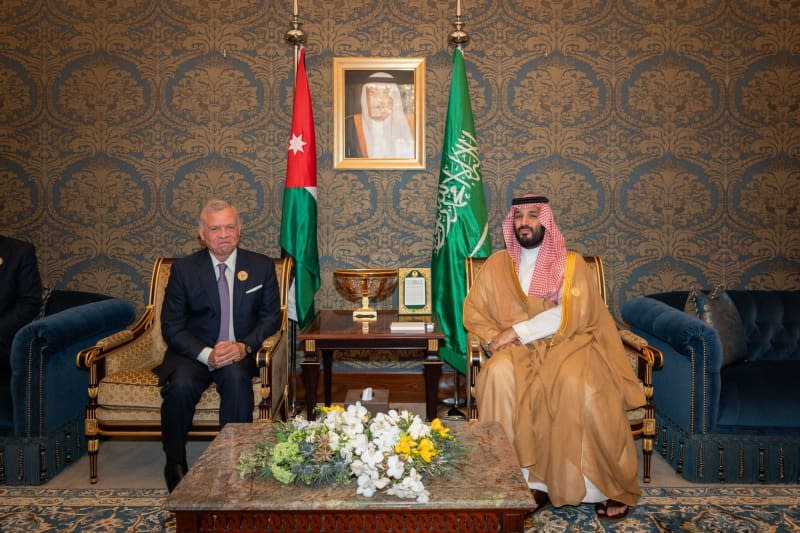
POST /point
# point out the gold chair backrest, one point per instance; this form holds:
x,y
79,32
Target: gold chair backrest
x,y
152,354
473,266
595,264
283,271
158,285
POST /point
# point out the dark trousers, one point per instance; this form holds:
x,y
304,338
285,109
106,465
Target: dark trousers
x,y
181,391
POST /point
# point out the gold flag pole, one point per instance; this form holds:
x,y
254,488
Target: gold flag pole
x,y
296,37
458,38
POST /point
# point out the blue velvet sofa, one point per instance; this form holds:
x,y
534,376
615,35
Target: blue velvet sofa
x,y
43,392
735,423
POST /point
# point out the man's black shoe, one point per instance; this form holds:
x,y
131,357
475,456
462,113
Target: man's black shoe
x,y
173,474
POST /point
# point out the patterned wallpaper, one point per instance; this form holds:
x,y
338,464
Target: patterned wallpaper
x,y
666,133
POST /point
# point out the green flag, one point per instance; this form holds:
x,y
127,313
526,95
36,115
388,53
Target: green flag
x,y
461,223
299,215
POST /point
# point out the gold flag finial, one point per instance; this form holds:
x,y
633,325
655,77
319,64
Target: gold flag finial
x,y
458,37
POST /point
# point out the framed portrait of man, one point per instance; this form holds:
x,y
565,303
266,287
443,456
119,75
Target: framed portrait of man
x,y
378,113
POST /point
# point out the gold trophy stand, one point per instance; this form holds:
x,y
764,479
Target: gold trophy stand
x,y
362,285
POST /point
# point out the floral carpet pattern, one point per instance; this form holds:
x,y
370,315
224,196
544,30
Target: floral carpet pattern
x,y
661,510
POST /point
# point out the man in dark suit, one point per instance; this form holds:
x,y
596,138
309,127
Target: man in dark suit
x,y
20,292
213,324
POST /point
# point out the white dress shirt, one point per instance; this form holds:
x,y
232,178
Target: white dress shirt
x,y
546,323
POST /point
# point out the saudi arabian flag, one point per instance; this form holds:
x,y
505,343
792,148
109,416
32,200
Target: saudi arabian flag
x,y
299,218
461,223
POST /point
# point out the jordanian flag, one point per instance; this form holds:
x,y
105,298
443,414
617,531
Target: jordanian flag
x,y
462,228
299,220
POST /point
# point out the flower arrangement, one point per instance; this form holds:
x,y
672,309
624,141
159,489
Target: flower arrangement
x,y
389,452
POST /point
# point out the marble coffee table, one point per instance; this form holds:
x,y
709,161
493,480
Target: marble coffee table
x,y
487,494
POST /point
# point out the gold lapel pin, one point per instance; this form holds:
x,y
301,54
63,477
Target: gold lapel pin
x,y
242,275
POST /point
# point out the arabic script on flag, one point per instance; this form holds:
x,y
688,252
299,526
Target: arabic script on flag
x,y
461,174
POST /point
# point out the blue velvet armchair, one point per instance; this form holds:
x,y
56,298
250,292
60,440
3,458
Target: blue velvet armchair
x,y
43,392
737,422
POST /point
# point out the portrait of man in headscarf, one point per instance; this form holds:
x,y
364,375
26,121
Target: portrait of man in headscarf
x,y
380,124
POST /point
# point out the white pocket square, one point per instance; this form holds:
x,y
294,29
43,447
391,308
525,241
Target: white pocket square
x,y
254,289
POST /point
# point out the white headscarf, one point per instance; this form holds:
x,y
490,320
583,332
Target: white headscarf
x,y
390,137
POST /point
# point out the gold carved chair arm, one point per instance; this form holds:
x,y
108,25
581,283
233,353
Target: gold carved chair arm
x,y
272,360
89,357
644,359
651,356
264,354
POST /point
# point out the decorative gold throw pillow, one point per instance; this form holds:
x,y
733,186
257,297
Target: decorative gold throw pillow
x,y
718,311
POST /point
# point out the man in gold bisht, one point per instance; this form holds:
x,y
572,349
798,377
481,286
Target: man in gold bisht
x,y
558,380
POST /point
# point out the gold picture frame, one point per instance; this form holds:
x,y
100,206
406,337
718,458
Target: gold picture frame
x,y
414,295
393,127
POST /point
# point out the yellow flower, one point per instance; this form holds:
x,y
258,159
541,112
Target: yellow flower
x,y
426,449
404,445
335,408
439,428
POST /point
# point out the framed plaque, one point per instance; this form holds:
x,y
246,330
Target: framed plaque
x,y
415,291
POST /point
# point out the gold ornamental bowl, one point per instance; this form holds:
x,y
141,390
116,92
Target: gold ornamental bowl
x,y
363,284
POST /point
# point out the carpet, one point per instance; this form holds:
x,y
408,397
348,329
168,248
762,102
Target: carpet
x,y
661,510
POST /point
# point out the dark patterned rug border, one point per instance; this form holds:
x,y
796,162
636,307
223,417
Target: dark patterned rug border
x,y
739,509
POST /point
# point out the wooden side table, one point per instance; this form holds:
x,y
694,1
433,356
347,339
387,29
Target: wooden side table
x,y
335,330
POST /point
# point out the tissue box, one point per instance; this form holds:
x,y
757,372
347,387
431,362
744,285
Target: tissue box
x,y
378,404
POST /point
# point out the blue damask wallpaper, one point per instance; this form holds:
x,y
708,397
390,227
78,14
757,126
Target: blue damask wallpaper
x,y
666,133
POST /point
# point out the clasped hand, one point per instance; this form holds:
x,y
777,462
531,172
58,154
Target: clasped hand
x,y
501,340
226,353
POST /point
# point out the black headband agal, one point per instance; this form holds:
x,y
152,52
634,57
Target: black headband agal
x,y
529,200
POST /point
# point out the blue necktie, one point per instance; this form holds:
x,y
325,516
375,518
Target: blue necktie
x,y
224,305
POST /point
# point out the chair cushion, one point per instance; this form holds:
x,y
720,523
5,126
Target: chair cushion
x,y
718,311
636,415
134,395
760,395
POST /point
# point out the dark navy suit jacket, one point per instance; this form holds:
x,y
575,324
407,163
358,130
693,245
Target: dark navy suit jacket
x,y
190,313
20,290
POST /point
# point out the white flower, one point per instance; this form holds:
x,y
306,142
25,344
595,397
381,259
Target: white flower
x,y
356,412
410,487
385,434
395,467
332,421
359,468
300,422
346,454
372,456
418,429
358,443
370,481
366,486
394,416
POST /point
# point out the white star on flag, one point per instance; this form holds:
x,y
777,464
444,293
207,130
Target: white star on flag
x,y
296,143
